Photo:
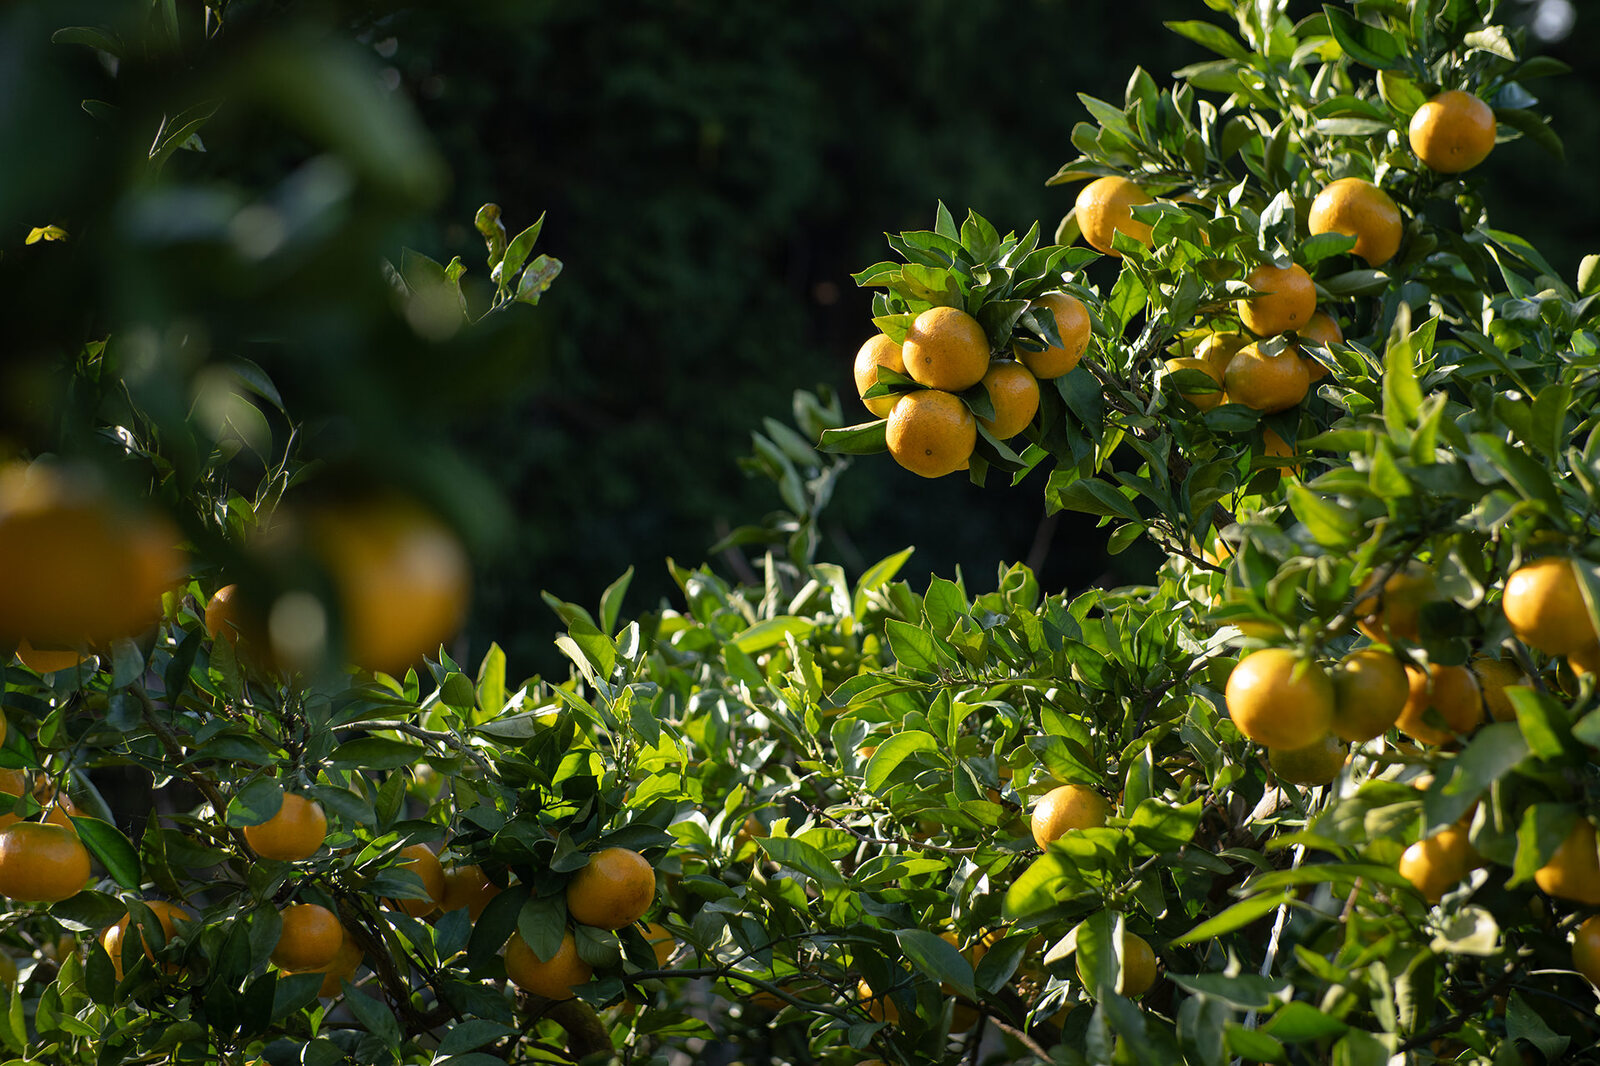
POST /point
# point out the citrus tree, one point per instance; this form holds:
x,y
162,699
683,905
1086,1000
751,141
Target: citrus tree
x,y
1318,791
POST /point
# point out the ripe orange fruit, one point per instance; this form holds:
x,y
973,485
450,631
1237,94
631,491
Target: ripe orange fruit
x,y
346,961
1105,207
878,351
931,433
1279,700
41,863
1359,209
420,860
754,828
1219,348
1573,869
1494,677
466,886
1014,392
231,617
1072,324
1439,863
1275,447
554,978
1450,690
1394,614
1066,808
222,622
613,890
81,568
46,660
661,941
1544,604
1453,132
1267,383
1317,763
1370,689
14,785
1138,966
294,833
1287,300
309,940
1322,331
401,577
1586,949
1582,661
1204,401
114,936
879,1008
946,349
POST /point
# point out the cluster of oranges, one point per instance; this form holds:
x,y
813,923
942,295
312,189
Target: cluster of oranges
x,y
930,430
1305,714
613,891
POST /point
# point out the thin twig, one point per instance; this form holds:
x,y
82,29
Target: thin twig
x,y
447,739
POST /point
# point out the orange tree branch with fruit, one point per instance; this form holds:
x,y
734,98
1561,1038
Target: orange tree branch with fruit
x,y
1321,791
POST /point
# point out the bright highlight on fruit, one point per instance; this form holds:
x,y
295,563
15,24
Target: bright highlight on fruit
x,y
931,433
946,349
1453,132
1105,208
1357,208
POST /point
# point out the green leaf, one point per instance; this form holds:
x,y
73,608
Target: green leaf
x,y
517,251
1366,44
1234,918
1400,93
1360,1048
176,132
255,803
1160,826
106,843
915,648
798,855
1542,720
1297,1023
470,1035
1244,992
1251,1045
1492,752
1209,35
1469,930
938,959
457,692
1402,396
1544,826
377,753
865,438
1088,495
611,601
1038,888
1330,524
894,751
491,687
376,1018
1589,275
877,575
89,37
1525,1023
764,635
